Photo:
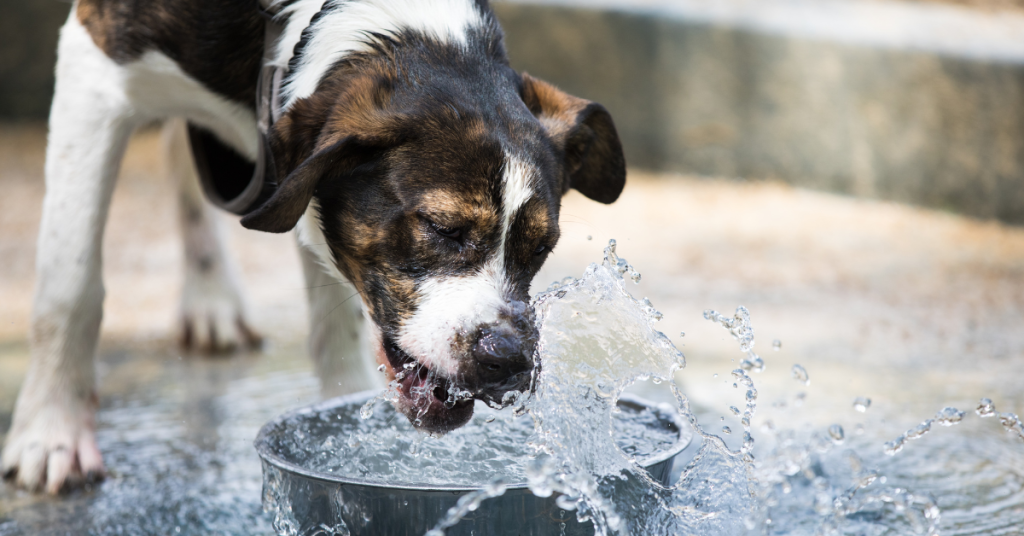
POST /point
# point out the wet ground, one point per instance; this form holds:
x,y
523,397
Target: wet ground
x,y
915,309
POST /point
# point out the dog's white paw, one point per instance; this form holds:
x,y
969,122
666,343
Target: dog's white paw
x,y
212,315
52,445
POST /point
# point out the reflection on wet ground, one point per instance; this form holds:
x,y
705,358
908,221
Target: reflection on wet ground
x,y
176,433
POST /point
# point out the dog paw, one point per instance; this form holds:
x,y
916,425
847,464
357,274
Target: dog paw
x,y
213,317
53,447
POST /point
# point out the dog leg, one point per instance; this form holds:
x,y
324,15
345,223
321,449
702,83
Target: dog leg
x,y
52,441
337,331
212,313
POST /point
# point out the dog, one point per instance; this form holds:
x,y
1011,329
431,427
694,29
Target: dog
x,y
415,165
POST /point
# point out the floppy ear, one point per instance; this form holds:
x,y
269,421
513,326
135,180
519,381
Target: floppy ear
x,y
289,202
584,132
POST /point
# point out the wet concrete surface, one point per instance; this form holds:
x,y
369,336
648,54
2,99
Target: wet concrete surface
x,y
915,309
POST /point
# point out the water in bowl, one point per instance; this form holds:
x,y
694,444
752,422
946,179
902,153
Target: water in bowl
x,y
384,448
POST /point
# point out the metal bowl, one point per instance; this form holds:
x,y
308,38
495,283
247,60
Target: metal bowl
x,y
311,503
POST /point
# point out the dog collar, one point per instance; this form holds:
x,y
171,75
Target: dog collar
x,y
229,180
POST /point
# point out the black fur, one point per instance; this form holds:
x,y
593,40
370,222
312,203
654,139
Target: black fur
x,y
217,42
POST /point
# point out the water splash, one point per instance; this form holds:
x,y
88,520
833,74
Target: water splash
x,y
469,503
945,417
596,340
589,358
800,375
1010,421
741,330
861,404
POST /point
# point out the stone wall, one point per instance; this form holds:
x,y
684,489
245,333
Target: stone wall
x,y
28,53
697,97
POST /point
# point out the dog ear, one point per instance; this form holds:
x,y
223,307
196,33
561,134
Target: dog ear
x,y
289,201
584,132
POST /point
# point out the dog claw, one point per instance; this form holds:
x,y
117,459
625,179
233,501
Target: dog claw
x,y
218,332
51,446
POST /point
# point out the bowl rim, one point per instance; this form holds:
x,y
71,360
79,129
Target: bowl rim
x,y
262,448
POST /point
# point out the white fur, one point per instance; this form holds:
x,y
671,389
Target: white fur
x,y
90,122
345,26
296,17
339,333
516,191
213,311
97,103
311,236
457,305
158,88
452,306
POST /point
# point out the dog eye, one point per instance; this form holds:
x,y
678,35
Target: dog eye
x,y
540,249
446,232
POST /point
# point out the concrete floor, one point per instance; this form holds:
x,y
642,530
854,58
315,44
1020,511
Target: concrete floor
x,y
915,309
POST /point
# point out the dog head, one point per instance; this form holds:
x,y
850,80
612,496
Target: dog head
x,y
434,176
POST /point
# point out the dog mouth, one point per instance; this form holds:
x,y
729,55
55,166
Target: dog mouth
x,y
431,401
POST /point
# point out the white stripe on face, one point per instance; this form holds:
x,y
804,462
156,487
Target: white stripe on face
x,y
450,307
344,27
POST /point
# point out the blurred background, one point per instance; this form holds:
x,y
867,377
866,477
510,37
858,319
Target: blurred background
x,y
851,171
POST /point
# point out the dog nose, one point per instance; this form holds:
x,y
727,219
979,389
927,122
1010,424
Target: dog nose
x,y
500,355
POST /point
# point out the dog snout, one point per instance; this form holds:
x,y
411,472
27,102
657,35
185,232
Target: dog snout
x,y
500,355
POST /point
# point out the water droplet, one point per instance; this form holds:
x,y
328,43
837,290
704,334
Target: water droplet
x,y
799,401
861,403
590,237
986,408
800,375
776,345
682,333
836,433
726,430
1012,424
748,443
734,410
919,430
490,418
380,368
949,416
715,375
894,446
366,411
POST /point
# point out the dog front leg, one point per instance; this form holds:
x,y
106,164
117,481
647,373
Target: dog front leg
x,y
212,312
337,331
52,441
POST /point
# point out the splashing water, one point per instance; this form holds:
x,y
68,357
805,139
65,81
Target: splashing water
x,y
945,417
861,404
595,341
795,485
800,375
